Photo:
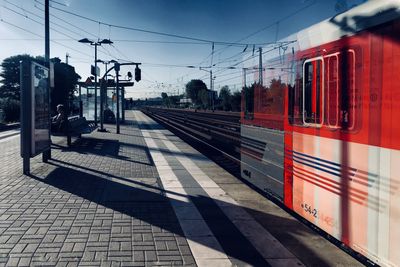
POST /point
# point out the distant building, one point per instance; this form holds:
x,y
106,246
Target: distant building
x,y
185,102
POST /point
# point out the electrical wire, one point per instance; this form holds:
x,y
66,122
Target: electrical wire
x,y
199,41
23,29
52,28
66,22
149,31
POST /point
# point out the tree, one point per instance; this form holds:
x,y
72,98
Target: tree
x,y
225,96
65,80
193,88
203,98
236,100
249,98
10,87
165,99
174,100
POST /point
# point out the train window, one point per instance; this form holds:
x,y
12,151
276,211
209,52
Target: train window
x,y
332,118
313,93
340,104
351,84
295,90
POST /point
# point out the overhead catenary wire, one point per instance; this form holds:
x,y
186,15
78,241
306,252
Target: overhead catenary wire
x,y
52,28
154,65
260,30
203,41
33,33
126,27
68,23
149,31
54,23
41,23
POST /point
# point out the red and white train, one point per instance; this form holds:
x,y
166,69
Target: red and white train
x,y
323,133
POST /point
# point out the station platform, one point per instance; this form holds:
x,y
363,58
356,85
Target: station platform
x,y
142,198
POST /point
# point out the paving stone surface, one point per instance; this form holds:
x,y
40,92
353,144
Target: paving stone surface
x,y
98,203
142,198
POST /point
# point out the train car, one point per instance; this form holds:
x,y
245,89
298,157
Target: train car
x,y
321,132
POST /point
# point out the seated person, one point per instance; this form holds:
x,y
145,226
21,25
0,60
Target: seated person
x,y
109,116
60,121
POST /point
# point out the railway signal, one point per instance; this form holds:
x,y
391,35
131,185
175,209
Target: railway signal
x,y
138,74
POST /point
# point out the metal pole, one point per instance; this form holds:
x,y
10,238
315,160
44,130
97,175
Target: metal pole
x,y
211,86
46,155
80,102
123,104
117,89
101,106
95,83
47,33
260,68
106,94
245,91
244,77
103,96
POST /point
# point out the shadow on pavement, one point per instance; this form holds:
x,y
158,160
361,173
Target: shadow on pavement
x,y
112,148
148,202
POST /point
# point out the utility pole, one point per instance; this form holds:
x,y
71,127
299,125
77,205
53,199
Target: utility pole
x,y
95,84
123,103
47,33
46,155
260,67
66,58
244,77
211,84
212,92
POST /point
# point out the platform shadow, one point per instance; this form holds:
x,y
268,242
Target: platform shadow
x,y
111,148
148,202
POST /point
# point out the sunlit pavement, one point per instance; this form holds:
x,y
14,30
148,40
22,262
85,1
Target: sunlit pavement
x,y
143,197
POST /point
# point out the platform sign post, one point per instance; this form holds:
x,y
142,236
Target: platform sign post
x,y
35,111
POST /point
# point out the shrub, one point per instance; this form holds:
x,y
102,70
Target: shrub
x,y
11,109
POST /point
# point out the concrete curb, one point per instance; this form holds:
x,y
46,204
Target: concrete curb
x,y
11,126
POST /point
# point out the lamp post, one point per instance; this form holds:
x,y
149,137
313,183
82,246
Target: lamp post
x,y
87,41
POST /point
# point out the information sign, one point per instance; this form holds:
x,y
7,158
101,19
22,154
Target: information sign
x,y
40,109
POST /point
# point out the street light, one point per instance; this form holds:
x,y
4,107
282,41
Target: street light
x,y
87,41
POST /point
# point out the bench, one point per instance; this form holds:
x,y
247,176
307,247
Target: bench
x,y
76,127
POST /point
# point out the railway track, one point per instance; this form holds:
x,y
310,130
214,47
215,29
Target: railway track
x,y
216,135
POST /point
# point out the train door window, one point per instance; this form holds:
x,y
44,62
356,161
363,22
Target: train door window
x,y
351,85
340,101
313,93
332,118
296,95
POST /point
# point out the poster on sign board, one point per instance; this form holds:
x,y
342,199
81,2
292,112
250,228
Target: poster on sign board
x,y
40,109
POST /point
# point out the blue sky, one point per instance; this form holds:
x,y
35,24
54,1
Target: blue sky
x,y
164,58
